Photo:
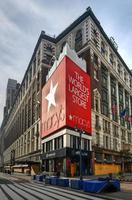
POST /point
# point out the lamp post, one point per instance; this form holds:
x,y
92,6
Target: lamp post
x,y
80,139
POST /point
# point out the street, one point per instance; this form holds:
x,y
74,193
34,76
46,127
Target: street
x,y
16,189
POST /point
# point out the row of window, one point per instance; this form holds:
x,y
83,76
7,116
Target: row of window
x,y
58,143
27,143
107,157
122,73
116,142
112,59
105,98
106,127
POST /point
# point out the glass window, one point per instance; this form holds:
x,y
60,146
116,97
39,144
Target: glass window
x,y
49,146
104,95
105,109
78,40
95,59
58,142
96,74
34,66
97,139
97,105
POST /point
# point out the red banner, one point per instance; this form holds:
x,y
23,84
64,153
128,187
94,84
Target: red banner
x,y
66,99
78,104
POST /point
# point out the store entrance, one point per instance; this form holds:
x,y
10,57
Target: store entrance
x,y
73,166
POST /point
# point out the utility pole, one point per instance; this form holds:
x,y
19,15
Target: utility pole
x,y
80,149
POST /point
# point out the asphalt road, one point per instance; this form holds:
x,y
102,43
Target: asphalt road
x,y
16,189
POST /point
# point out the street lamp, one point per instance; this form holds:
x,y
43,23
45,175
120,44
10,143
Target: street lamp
x,y
80,139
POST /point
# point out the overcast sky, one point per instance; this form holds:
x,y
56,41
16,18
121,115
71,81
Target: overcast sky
x,y
21,22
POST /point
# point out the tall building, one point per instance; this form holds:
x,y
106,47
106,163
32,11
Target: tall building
x,y
11,91
110,148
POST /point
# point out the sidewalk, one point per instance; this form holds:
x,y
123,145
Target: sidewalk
x,y
29,177
125,186
16,176
126,177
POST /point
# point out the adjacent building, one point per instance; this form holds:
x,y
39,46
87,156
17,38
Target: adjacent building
x,y
11,92
110,147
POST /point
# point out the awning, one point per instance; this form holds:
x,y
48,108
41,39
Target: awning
x,y
17,166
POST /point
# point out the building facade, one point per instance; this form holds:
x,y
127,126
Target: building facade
x,y
111,94
11,92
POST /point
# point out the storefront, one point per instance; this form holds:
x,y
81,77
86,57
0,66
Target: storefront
x,y
67,162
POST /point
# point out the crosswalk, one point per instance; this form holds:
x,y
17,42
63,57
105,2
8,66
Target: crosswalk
x,y
34,191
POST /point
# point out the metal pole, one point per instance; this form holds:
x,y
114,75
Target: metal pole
x,y
80,156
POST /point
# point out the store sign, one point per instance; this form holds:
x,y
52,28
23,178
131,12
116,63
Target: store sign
x,y
78,104
66,99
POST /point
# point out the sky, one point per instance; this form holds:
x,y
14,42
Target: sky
x,y
21,22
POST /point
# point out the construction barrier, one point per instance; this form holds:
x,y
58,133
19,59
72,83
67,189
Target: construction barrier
x,y
54,181
63,182
77,184
97,186
48,180
39,177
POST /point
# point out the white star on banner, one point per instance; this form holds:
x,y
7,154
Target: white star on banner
x,y
51,95
70,117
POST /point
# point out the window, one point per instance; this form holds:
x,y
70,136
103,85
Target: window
x,y
111,58
48,59
125,76
44,147
33,107
123,134
99,156
97,105
121,96
49,146
130,82
104,81
97,125
106,126
29,112
30,74
129,137
113,90
96,76
95,60
105,109
86,144
113,86
74,142
106,142
103,48
97,139
119,68
115,131
27,82
77,143
38,81
115,144
58,142
78,40
108,157
38,58
49,49
105,95
34,66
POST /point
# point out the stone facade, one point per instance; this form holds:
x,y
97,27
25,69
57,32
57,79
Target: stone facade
x,y
111,82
